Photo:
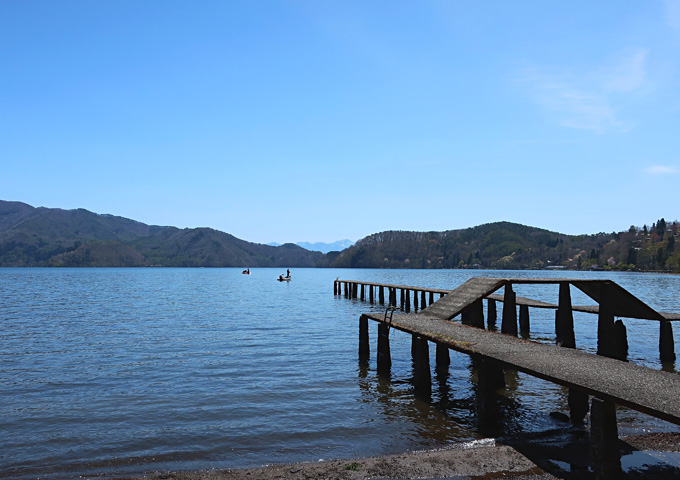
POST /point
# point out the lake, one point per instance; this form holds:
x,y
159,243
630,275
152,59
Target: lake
x,y
123,371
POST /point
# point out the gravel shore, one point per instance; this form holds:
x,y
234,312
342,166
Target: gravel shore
x,y
529,459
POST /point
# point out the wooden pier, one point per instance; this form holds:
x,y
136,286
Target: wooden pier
x,y
606,376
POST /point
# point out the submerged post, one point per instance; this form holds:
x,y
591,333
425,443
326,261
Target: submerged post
x,y
422,378
364,348
415,300
509,322
335,287
381,295
431,298
524,326
605,323
604,438
406,304
666,345
384,358
422,300
363,293
564,318
491,314
370,294
442,358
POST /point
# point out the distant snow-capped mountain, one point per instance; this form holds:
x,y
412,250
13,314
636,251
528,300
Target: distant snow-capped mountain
x,y
321,246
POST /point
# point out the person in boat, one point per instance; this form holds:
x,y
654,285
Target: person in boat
x,y
287,272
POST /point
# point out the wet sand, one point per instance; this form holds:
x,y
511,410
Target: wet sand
x,y
526,459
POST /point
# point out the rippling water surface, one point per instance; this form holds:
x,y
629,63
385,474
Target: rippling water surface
x,y
122,371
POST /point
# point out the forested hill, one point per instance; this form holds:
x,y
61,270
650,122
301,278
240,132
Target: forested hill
x,y
505,245
78,238
53,237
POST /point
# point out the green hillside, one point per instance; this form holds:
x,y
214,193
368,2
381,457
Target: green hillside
x,y
53,237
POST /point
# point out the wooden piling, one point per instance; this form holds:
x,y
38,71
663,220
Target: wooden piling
x,y
620,341
422,300
370,294
431,298
422,378
666,343
364,348
415,300
381,295
442,358
509,321
604,441
491,314
524,326
477,314
564,319
401,298
363,293
335,287
605,323
383,356
578,406
407,300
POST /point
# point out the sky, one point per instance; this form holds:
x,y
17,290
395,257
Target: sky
x,y
288,121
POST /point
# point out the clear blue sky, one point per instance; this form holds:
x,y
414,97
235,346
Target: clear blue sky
x,y
317,120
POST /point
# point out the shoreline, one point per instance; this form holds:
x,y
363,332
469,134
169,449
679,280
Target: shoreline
x,y
551,457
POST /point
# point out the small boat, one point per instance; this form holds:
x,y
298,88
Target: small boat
x,y
246,271
284,279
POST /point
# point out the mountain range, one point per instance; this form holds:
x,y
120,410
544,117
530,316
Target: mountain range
x,y
321,246
54,237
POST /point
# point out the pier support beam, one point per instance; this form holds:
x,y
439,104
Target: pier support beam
x,y
381,295
406,303
491,314
509,321
578,406
431,298
604,438
666,344
620,341
364,349
490,378
564,319
422,378
415,300
363,293
605,323
384,357
524,326
335,287
370,294
422,300
442,358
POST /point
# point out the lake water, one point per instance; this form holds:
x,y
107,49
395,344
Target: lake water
x,y
122,371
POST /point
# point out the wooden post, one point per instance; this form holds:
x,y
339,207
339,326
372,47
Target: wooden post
x,y
491,314
393,297
604,441
564,319
335,287
605,323
666,344
422,378
620,341
490,378
422,300
384,358
370,294
363,293
364,348
415,300
477,311
524,326
509,322
401,299
431,298
442,358
355,287
578,406
381,295
407,304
